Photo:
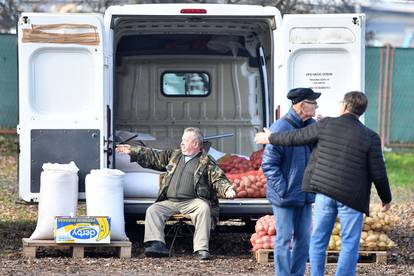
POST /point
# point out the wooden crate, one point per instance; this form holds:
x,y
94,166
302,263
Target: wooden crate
x,y
365,257
78,250
265,256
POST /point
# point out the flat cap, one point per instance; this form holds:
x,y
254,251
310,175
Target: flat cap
x,y
297,95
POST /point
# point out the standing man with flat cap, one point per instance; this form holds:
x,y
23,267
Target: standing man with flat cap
x,y
284,167
346,159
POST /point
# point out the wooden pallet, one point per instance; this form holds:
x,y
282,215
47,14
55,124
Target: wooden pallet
x,y
78,250
265,256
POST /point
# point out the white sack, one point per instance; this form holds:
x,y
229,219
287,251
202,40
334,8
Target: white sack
x,y
58,197
215,153
104,193
141,184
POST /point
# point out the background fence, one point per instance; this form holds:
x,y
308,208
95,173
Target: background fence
x,y
389,84
8,83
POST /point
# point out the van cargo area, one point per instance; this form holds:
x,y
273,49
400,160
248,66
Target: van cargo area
x,y
143,73
221,79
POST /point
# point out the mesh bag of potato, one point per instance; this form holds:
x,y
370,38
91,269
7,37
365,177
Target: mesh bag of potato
x,y
374,234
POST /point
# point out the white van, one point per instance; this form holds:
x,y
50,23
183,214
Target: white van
x,y
156,69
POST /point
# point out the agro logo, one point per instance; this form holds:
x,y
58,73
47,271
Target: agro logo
x,y
83,233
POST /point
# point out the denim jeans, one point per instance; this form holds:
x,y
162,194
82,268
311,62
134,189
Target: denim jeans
x,y
326,211
296,222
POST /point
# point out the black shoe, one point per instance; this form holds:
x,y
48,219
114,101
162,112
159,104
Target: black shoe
x,y
157,249
203,255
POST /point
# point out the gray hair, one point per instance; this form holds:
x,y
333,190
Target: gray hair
x,y
197,133
356,102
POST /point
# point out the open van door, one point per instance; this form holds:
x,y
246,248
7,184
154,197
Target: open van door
x,y
63,103
324,52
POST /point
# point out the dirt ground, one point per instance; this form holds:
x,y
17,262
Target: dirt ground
x,y
229,245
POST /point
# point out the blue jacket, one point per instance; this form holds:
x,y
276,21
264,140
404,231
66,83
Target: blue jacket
x,y
284,166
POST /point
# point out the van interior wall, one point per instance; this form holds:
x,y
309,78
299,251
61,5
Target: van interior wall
x,y
233,106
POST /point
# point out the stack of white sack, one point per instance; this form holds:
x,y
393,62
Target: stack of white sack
x,y
58,197
104,193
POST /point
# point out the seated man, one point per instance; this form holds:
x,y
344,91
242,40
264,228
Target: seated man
x,y
191,186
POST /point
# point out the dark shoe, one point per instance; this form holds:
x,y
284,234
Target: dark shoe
x,y
157,249
203,255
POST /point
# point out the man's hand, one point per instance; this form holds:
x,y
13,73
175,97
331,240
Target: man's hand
x,y
385,207
263,137
123,148
230,193
319,117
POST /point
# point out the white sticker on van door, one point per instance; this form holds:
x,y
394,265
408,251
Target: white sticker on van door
x,y
328,72
320,80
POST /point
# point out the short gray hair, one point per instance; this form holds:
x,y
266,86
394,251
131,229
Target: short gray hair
x,y
356,102
197,133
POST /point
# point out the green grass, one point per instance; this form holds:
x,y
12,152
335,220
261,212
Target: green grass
x,y
400,168
8,145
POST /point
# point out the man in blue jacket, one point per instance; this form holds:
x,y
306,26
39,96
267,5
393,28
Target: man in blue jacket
x,y
284,167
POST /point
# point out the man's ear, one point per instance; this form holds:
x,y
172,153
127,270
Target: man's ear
x,y
345,107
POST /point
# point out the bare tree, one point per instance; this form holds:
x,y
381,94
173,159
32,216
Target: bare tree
x,y
102,5
9,14
285,6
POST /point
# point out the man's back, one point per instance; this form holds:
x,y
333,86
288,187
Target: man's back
x,y
346,159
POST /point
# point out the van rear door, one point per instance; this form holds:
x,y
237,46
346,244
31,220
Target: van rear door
x,y
63,107
325,52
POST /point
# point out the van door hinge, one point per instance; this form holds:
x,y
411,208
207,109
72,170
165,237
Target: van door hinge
x,y
356,21
24,23
107,61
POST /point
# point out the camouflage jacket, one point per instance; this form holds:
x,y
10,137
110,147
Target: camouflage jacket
x,y
209,180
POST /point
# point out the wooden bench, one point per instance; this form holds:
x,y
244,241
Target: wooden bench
x,y
78,250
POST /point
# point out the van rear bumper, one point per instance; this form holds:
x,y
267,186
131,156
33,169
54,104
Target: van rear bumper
x,y
229,209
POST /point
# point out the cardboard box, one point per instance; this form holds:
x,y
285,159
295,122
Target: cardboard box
x,y
82,230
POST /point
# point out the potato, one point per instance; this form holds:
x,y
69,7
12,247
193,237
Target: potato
x,y
382,244
364,235
366,227
383,238
266,245
261,233
242,194
386,228
258,227
391,244
369,220
377,226
331,245
372,238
